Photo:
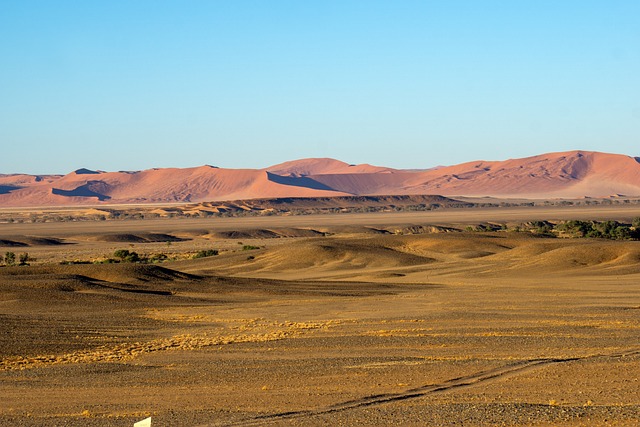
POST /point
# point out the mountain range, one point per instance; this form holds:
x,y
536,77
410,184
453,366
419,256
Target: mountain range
x,y
573,174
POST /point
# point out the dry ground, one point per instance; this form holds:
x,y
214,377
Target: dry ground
x,y
354,327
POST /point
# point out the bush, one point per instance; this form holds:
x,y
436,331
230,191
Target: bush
x,y
601,230
24,259
126,256
576,227
157,258
250,247
10,258
206,253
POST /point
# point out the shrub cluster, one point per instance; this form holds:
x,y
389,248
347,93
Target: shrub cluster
x,y
206,253
10,258
613,230
124,255
605,229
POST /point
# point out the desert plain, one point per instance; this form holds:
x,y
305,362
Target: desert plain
x,y
347,319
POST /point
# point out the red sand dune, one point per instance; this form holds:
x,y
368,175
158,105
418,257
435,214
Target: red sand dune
x,y
306,167
570,174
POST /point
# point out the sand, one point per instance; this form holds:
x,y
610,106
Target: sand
x,y
572,174
349,325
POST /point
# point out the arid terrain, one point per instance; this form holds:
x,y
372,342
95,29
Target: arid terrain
x,y
454,316
572,174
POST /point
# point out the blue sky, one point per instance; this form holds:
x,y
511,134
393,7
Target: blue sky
x,y
127,85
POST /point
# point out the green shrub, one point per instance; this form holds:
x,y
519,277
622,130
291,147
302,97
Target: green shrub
x,y
156,258
206,253
576,227
10,258
24,259
250,247
126,256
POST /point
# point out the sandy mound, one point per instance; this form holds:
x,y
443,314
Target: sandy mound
x,y
24,241
131,238
267,234
448,247
313,258
92,274
559,256
12,243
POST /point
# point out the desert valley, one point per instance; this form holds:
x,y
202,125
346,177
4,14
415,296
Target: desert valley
x,y
320,293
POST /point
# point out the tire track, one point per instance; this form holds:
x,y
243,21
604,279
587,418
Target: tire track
x,y
479,378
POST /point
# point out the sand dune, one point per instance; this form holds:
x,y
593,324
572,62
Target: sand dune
x,y
412,258
569,175
324,166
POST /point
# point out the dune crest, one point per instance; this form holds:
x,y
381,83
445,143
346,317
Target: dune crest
x,y
571,174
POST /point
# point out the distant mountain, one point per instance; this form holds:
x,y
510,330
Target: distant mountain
x,y
554,175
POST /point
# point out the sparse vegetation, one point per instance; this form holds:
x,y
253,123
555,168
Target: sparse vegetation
x,y
24,259
206,253
269,207
250,247
157,258
127,256
542,228
596,229
10,258
613,230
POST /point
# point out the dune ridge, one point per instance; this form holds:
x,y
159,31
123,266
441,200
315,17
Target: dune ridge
x,y
571,174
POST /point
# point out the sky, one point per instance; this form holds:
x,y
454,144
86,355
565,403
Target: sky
x,y
135,84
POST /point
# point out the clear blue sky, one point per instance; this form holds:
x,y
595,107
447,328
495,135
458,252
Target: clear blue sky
x,y
135,84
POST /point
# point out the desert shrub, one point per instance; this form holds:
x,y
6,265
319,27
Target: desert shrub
x,y
126,256
24,259
606,228
541,227
10,258
576,227
250,247
206,253
635,222
622,233
602,230
106,261
155,258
